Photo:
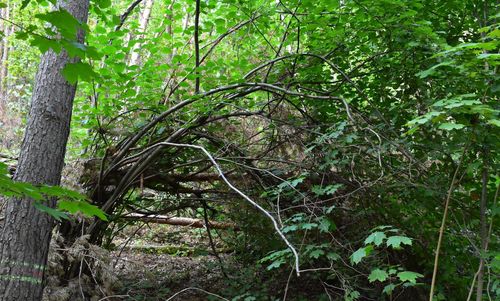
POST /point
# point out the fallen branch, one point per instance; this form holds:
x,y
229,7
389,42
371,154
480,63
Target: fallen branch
x,y
178,221
172,249
8,157
248,199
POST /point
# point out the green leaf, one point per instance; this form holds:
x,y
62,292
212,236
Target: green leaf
x,y
70,206
66,24
325,225
61,193
24,4
396,241
376,238
82,206
58,215
409,276
292,183
316,253
351,295
317,190
276,264
494,122
308,226
378,275
432,70
277,254
72,72
425,118
30,191
91,210
451,126
22,35
333,256
75,49
290,228
69,74
493,56
388,289
44,44
103,3
327,190
360,254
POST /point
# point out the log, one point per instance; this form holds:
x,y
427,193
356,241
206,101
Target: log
x,y
178,221
175,250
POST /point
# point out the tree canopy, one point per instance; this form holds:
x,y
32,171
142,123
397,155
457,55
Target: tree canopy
x,y
354,142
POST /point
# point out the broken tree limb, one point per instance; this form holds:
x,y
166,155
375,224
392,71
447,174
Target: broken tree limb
x,y
248,199
178,221
175,250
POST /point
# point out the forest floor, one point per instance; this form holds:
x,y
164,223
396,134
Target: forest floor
x,y
157,262
163,260
160,276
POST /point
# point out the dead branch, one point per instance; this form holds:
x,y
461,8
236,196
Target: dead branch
x,y
178,221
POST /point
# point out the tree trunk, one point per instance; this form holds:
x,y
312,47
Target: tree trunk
x,y
143,24
25,237
483,226
4,54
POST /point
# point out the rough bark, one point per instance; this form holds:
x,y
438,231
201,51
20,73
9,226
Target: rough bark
x,y
26,231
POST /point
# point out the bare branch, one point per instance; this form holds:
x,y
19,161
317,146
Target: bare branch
x,y
248,199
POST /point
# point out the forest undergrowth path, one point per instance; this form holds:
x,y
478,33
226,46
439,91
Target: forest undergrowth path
x,y
173,259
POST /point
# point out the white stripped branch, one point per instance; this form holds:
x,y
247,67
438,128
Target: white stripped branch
x,y
248,199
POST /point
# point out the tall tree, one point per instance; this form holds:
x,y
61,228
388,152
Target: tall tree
x,y
26,232
5,29
143,24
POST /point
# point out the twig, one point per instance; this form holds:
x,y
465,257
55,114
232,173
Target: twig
x,y
441,229
114,296
215,42
287,284
197,46
131,174
126,243
469,296
124,16
483,225
260,208
8,157
196,289
210,238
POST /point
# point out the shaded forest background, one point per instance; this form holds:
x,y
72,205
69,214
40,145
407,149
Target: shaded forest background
x,y
333,132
